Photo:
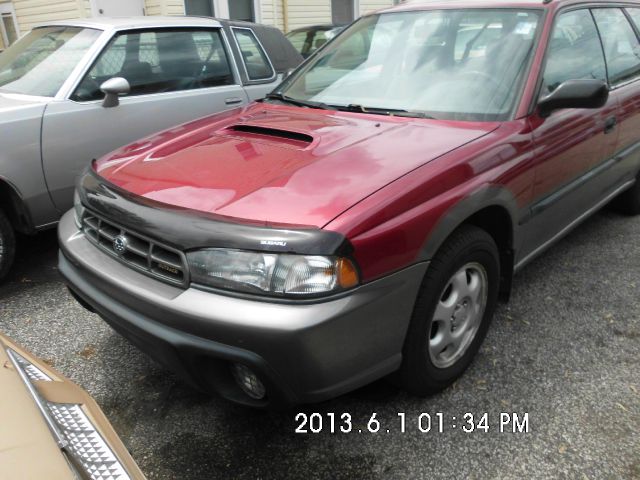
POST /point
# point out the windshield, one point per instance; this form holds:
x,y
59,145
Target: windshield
x,y
41,62
447,64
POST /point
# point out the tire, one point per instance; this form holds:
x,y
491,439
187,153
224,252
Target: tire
x,y
628,202
462,280
7,246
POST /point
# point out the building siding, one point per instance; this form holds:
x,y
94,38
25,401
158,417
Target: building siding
x,y
154,7
174,7
368,6
272,13
30,13
300,13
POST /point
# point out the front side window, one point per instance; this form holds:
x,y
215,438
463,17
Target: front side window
x,y
574,51
41,62
160,61
449,64
253,56
621,47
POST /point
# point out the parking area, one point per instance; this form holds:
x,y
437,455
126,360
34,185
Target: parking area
x,y
565,350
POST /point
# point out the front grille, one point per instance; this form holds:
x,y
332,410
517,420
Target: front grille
x,y
136,251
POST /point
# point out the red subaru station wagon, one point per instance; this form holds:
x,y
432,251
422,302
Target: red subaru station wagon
x,y
365,218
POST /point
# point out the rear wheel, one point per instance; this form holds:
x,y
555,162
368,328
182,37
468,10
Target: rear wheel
x,y
7,245
629,201
451,317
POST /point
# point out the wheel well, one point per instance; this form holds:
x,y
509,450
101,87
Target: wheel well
x,y
496,221
14,208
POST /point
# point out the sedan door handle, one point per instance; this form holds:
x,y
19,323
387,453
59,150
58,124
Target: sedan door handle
x,y
610,124
233,101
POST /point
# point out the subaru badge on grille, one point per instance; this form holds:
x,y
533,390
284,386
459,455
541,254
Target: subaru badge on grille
x,y
120,244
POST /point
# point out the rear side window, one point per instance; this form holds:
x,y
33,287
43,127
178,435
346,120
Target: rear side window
x,y
301,40
574,51
160,61
255,59
620,43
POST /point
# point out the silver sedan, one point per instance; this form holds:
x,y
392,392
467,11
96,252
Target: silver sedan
x,y
74,91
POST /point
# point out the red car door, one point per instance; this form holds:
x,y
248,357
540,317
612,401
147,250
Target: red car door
x,y
622,54
570,143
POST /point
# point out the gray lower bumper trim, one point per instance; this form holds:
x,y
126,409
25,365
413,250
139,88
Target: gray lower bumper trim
x,y
308,352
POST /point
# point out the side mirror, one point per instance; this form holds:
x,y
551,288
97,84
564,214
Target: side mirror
x,y
575,94
112,89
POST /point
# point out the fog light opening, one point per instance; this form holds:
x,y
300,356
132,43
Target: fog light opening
x,y
248,381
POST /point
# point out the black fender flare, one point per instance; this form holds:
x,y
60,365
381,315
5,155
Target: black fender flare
x,y
488,196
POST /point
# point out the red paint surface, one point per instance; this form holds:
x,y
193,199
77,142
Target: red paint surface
x,y
209,167
383,182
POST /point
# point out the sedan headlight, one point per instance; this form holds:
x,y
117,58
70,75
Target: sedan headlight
x,y
78,209
271,273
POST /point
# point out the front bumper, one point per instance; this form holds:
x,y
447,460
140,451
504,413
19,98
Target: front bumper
x,y
303,351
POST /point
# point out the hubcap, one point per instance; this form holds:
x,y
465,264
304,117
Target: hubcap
x,y
458,315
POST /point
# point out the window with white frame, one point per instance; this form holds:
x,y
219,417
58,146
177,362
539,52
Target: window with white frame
x,y
9,32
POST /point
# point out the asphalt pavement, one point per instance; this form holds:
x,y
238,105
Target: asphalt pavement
x,y
565,351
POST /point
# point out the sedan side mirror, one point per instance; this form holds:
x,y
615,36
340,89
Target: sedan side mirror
x,y
575,94
112,89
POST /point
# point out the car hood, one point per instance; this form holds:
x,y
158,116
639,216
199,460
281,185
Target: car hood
x,y
10,102
279,164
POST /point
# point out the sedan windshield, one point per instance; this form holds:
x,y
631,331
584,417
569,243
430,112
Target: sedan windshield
x,y
41,62
447,64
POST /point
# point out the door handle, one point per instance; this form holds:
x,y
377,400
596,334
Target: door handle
x,y
233,101
610,124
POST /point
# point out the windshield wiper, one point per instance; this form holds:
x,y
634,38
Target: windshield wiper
x,y
392,112
299,103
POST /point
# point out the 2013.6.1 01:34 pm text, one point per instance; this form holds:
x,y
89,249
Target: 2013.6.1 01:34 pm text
x,y
329,422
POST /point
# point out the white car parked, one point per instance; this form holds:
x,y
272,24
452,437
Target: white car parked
x,y
74,91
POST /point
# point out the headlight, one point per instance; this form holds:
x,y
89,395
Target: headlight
x,y
78,209
270,273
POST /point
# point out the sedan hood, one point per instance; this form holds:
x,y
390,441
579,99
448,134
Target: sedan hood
x,y
10,102
280,164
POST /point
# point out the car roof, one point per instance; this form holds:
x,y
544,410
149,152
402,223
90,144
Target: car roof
x,y
129,23
447,4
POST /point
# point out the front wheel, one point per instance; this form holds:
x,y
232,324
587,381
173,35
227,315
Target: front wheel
x,y
7,245
451,317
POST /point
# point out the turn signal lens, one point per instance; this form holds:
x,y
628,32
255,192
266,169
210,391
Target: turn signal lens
x,y
347,273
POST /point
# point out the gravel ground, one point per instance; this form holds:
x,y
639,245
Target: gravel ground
x,y
565,350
